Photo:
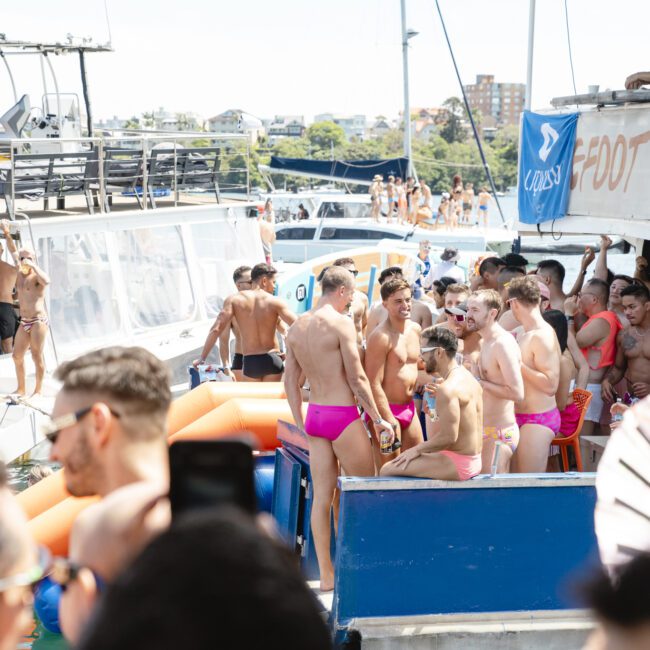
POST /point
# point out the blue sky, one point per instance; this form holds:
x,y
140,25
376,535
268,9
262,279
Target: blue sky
x,y
306,57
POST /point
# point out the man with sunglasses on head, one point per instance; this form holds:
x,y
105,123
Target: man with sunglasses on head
x,y
20,569
597,340
31,283
453,452
499,372
108,431
242,279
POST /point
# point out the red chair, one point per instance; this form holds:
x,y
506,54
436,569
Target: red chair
x,y
582,398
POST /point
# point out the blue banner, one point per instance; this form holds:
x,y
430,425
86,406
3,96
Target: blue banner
x,y
546,154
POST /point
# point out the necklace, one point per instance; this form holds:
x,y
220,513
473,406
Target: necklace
x,y
449,372
636,331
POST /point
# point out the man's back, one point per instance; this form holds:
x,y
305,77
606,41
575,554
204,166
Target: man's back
x,y
315,339
462,386
256,312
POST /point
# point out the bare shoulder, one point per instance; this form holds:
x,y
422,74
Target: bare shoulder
x,y
414,328
361,297
507,344
379,337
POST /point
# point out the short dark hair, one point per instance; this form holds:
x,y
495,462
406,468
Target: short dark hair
x,y
623,600
638,291
441,337
238,272
344,261
393,286
525,289
390,272
334,277
262,270
507,274
132,376
212,565
442,284
490,265
557,320
625,278
554,268
601,289
514,259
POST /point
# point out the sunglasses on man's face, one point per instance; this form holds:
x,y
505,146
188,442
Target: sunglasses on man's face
x,y
459,318
52,429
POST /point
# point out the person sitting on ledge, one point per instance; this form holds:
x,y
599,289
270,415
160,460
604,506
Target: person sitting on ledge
x,y
454,453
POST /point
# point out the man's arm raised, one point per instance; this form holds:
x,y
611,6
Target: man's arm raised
x,y
11,244
592,333
292,387
223,320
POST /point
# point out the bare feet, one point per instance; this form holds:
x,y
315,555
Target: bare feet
x,y
20,392
327,583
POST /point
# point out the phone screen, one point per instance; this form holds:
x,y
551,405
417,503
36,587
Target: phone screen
x,y
210,473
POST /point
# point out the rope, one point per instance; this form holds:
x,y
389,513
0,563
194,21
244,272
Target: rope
x,y
568,38
442,163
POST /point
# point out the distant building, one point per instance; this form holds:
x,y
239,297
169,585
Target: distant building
x,y
380,127
285,126
354,125
234,121
424,122
502,101
113,123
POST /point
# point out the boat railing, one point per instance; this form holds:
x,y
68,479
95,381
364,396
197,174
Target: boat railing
x,y
144,166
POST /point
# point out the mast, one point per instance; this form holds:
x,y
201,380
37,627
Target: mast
x,y
406,35
531,44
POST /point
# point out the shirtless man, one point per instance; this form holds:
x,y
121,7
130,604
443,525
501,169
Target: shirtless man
x,y
8,318
499,371
454,452
468,202
506,275
267,234
30,288
469,341
454,295
375,191
484,198
597,340
359,309
321,345
537,414
552,273
377,312
242,279
256,311
632,348
392,365
391,197
488,272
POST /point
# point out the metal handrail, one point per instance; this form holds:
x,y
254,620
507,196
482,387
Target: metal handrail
x,y
176,179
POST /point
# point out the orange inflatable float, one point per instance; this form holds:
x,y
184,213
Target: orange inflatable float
x,y
259,416
191,406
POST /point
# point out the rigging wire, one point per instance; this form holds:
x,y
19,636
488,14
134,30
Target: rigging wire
x,y
568,38
471,118
108,24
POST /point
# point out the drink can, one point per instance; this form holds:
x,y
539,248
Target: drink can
x,y
385,446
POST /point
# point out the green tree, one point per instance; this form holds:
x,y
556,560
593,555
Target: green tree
x,y
452,129
148,120
132,123
324,135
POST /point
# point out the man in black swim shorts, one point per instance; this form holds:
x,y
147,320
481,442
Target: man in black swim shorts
x,y
8,317
256,311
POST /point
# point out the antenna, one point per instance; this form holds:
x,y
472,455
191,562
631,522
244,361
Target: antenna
x,y
108,23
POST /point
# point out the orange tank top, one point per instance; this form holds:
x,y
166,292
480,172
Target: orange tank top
x,y
608,348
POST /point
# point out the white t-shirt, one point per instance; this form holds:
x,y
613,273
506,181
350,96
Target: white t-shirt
x,y
445,269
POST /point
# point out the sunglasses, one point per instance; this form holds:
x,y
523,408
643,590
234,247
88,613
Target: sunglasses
x,y
354,272
460,318
32,576
52,429
425,350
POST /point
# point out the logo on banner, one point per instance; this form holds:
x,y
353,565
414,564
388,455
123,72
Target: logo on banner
x,y
551,136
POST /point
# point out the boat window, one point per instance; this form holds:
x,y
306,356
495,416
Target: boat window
x,y
357,233
295,233
157,281
220,247
334,210
81,299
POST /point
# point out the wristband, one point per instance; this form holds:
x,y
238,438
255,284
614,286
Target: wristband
x,y
569,318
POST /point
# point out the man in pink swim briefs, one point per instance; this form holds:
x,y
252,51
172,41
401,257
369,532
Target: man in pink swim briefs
x,y
391,363
537,414
454,453
322,346
499,371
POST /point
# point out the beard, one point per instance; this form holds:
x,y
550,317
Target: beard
x,y
80,470
431,365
